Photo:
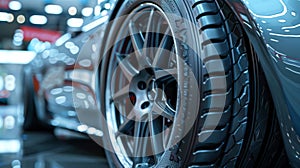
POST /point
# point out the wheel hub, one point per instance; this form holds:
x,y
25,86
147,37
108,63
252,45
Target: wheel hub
x,y
144,91
153,91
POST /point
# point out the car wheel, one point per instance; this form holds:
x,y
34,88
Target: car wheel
x,y
30,117
181,87
31,120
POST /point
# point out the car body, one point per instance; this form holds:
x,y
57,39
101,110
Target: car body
x,y
273,31
272,28
58,72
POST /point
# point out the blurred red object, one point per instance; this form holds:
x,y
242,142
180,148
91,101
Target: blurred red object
x,y
4,94
4,4
41,34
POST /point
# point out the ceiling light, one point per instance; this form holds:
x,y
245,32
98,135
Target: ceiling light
x,y
72,10
97,10
100,1
107,6
75,22
53,9
21,19
16,57
3,16
6,17
87,11
10,18
15,5
38,19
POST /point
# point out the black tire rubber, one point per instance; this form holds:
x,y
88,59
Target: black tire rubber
x,y
31,121
247,131
30,117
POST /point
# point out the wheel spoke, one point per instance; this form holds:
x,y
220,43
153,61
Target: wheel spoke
x,y
165,45
136,37
141,132
121,94
166,75
156,133
149,35
162,109
138,43
127,68
127,125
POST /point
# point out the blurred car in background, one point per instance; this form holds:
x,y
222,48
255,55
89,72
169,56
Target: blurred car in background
x,y
57,73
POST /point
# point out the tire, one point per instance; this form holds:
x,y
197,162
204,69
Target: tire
x,y
217,110
30,117
31,120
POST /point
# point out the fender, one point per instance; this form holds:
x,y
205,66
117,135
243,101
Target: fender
x,y
273,28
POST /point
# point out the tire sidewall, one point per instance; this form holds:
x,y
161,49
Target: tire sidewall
x,y
186,33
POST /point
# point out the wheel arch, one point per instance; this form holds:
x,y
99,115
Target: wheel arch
x,y
271,71
257,43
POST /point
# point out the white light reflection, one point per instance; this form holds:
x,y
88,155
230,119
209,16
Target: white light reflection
x,y
16,164
10,146
285,35
6,17
56,91
53,9
18,37
75,22
99,133
90,130
63,39
94,24
80,95
97,10
100,1
74,50
69,44
281,20
292,63
296,72
15,5
104,13
72,113
21,19
9,122
282,13
10,82
82,128
87,11
68,88
13,57
274,40
107,5
38,19
72,11
85,63
61,99
291,27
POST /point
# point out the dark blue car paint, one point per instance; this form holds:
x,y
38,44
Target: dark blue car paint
x,y
273,28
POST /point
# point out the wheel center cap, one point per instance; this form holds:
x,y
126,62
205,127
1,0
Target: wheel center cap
x,y
153,91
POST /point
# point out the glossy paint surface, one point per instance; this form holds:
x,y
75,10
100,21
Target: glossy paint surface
x,y
273,28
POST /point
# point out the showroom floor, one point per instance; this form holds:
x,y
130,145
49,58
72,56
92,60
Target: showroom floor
x,y
43,150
